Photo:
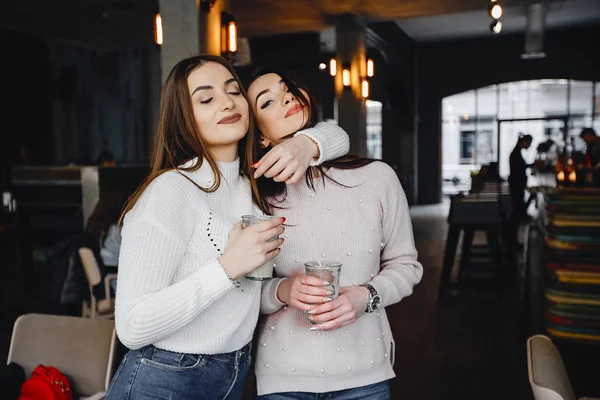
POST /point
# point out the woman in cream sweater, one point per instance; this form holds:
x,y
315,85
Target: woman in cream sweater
x,y
351,210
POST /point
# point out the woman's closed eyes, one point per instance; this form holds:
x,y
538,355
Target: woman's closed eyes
x,y
233,92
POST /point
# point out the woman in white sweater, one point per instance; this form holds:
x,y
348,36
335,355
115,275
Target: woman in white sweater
x,y
183,306
351,210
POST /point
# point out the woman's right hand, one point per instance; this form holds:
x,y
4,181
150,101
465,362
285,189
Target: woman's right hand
x,y
249,248
304,292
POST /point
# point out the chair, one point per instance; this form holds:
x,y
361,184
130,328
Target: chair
x,y
94,308
547,374
82,349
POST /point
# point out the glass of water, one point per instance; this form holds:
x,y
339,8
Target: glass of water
x,y
328,271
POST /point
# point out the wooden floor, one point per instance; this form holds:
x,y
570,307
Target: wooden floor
x,y
470,345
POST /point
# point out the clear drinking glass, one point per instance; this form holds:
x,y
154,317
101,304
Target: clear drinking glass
x,y
264,272
329,271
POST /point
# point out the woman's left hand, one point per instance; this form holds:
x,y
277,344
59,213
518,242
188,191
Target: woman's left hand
x,y
288,161
345,310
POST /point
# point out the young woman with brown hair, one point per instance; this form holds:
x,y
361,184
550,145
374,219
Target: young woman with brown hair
x,y
183,306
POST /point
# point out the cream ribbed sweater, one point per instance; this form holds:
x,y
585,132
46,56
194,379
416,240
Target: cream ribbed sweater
x,y
172,291
367,228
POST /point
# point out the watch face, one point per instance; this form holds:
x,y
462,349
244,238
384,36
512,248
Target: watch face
x,y
376,302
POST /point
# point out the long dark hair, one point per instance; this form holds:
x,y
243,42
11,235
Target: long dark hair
x,y
179,140
271,192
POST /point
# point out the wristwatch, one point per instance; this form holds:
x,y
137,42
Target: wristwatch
x,y
374,299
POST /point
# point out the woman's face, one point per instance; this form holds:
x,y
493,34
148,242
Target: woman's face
x,y
278,113
220,110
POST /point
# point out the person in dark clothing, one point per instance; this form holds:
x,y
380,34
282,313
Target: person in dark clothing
x,y
518,177
592,142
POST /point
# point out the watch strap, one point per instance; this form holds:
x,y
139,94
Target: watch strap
x,y
372,294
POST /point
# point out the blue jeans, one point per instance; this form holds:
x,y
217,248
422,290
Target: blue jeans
x,y
151,373
376,391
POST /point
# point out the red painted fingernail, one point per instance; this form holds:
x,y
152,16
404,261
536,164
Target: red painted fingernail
x,y
283,218
282,240
255,165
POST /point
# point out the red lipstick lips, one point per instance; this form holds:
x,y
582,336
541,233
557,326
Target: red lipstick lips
x,y
294,110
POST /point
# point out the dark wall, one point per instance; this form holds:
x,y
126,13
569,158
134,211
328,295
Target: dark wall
x,y
63,102
446,68
100,102
25,111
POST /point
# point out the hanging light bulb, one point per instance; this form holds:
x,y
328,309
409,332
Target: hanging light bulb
x,y
232,36
158,31
322,66
346,77
365,88
495,11
229,38
370,68
332,67
496,26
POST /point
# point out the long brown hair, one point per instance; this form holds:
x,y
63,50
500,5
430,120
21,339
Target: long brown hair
x,y
269,191
178,139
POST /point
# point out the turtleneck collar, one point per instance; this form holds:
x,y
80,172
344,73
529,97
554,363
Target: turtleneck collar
x,y
230,171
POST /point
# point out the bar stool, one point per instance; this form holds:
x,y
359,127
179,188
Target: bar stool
x,y
469,215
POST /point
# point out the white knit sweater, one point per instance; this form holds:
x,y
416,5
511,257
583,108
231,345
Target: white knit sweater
x,y
367,228
172,291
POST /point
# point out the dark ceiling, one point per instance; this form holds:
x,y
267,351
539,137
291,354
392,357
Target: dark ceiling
x,y
98,24
114,24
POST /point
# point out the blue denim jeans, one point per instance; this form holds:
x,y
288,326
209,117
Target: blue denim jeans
x,y
151,373
376,391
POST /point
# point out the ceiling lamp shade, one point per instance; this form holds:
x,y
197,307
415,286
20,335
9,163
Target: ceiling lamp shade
x,y
534,32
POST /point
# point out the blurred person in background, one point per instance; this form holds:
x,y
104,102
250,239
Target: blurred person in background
x,y
518,178
592,142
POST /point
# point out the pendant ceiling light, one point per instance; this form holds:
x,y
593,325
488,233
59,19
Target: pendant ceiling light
x,y
534,32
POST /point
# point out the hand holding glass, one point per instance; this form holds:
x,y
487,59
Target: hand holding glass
x,y
328,271
264,272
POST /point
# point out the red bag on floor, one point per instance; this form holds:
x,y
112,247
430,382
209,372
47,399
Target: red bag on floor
x,y
46,383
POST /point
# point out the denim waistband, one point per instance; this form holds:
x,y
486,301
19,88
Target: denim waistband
x,y
231,356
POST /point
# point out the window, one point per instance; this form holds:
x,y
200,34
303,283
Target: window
x,y
374,116
485,147
467,147
470,122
